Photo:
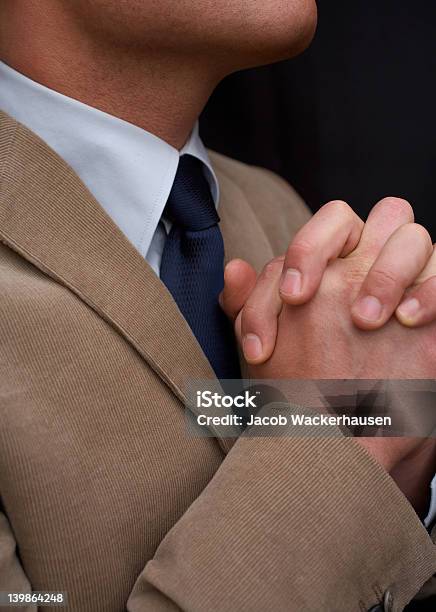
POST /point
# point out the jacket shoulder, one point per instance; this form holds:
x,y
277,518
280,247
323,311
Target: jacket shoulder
x,y
279,208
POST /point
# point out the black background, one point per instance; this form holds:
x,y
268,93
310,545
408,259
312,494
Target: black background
x,y
352,118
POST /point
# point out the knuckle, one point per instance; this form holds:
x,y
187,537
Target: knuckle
x,y
416,235
423,233
299,249
382,279
397,206
272,269
252,316
339,207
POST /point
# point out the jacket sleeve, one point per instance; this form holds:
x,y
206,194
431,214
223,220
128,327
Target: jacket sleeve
x,y
12,576
291,524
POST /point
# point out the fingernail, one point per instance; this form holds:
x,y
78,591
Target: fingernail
x,y
369,308
291,282
252,347
409,309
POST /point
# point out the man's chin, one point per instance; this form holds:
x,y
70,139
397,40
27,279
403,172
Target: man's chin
x,y
284,38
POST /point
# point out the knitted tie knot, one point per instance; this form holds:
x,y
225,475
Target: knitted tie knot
x,y
190,204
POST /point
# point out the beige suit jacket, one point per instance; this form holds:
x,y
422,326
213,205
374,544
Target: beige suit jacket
x,y
103,494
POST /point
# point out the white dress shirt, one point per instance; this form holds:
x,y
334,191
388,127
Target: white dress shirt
x,y
129,171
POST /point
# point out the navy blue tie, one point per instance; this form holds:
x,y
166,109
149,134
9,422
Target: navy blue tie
x,y
192,265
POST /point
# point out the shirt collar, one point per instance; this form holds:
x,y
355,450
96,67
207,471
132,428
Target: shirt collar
x,y
127,169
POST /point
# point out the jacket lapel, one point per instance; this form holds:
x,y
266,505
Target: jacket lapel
x,y
244,237
50,218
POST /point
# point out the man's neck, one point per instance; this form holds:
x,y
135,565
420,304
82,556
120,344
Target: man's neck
x,y
163,95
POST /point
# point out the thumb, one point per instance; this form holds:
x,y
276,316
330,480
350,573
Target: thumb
x,y
239,281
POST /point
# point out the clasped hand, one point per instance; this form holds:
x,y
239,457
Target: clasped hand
x,y
348,300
